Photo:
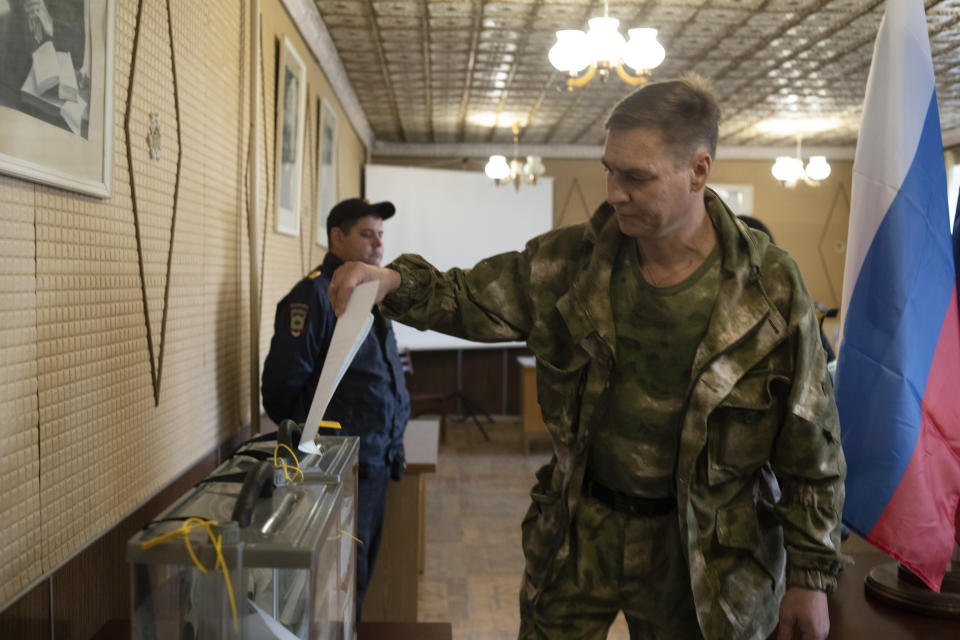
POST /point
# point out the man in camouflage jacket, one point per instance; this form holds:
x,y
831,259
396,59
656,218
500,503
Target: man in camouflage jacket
x,y
759,470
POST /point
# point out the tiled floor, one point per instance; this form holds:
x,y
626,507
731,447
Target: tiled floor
x,y
475,503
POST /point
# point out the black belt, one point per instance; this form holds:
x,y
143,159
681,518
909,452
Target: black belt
x,y
630,505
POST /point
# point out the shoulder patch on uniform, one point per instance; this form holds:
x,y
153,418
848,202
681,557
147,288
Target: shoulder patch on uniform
x,y
313,274
298,318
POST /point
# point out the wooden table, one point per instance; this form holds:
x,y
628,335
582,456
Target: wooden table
x,y
393,590
854,616
533,425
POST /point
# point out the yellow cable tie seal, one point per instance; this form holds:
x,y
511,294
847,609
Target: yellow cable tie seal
x,y
330,424
348,534
184,530
286,467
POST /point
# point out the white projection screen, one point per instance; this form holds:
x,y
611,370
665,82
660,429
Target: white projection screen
x,y
454,219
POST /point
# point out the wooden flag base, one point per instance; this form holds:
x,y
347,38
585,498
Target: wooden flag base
x,y
894,584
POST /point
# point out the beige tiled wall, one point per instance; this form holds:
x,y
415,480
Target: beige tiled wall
x,y
19,439
97,416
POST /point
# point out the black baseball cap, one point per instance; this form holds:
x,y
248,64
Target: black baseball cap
x,y
356,208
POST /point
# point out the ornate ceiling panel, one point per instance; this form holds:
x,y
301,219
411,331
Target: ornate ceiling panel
x,y
463,71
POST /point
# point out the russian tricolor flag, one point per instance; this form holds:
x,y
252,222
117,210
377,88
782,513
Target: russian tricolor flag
x,y
898,373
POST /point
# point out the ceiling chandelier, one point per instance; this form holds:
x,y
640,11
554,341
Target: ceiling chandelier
x,y
516,171
791,171
603,48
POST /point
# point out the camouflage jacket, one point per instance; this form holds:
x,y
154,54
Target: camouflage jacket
x,y
760,469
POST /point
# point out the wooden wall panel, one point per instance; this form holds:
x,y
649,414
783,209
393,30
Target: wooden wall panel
x,y
433,371
29,617
482,376
514,392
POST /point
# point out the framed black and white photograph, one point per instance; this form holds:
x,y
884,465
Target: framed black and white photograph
x,y
326,166
56,89
291,103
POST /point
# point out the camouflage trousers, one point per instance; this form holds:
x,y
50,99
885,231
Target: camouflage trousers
x,y
617,563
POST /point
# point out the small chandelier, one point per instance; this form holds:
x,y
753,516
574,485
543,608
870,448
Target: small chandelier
x,y
602,48
516,171
790,171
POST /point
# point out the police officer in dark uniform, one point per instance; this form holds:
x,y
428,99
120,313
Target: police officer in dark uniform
x,y
372,400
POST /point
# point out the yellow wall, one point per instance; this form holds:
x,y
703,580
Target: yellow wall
x,y
90,429
810,223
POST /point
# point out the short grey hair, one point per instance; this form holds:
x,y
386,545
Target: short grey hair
x,y
684,111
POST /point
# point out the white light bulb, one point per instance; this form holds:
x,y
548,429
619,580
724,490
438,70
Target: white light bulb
x,y
642,52
569,54
787,169
534,167
818,168
497,167
604,41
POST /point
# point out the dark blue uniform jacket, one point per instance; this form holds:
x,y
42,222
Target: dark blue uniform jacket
x,y
371,401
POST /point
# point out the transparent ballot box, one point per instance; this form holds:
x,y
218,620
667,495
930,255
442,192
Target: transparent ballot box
x,y
254,551
335,463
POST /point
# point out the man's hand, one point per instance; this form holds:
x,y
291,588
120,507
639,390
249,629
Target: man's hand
x,y
803,615
350,274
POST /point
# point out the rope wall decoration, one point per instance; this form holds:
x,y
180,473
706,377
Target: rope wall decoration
x,y
267,166
835,243
249,65
306,209
566,202
243,199
156,364
176,198
255,313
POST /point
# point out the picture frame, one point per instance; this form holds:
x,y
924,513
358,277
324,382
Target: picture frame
x,y
326,166
290,107
56,93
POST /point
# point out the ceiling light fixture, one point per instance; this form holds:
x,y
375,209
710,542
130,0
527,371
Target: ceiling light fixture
x,y
516,171
603,48
790,171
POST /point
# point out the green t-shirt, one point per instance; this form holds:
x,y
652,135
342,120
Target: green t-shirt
x,y
658,330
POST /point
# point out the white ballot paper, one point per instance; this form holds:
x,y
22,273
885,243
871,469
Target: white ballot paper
x,y
351,329
262,625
